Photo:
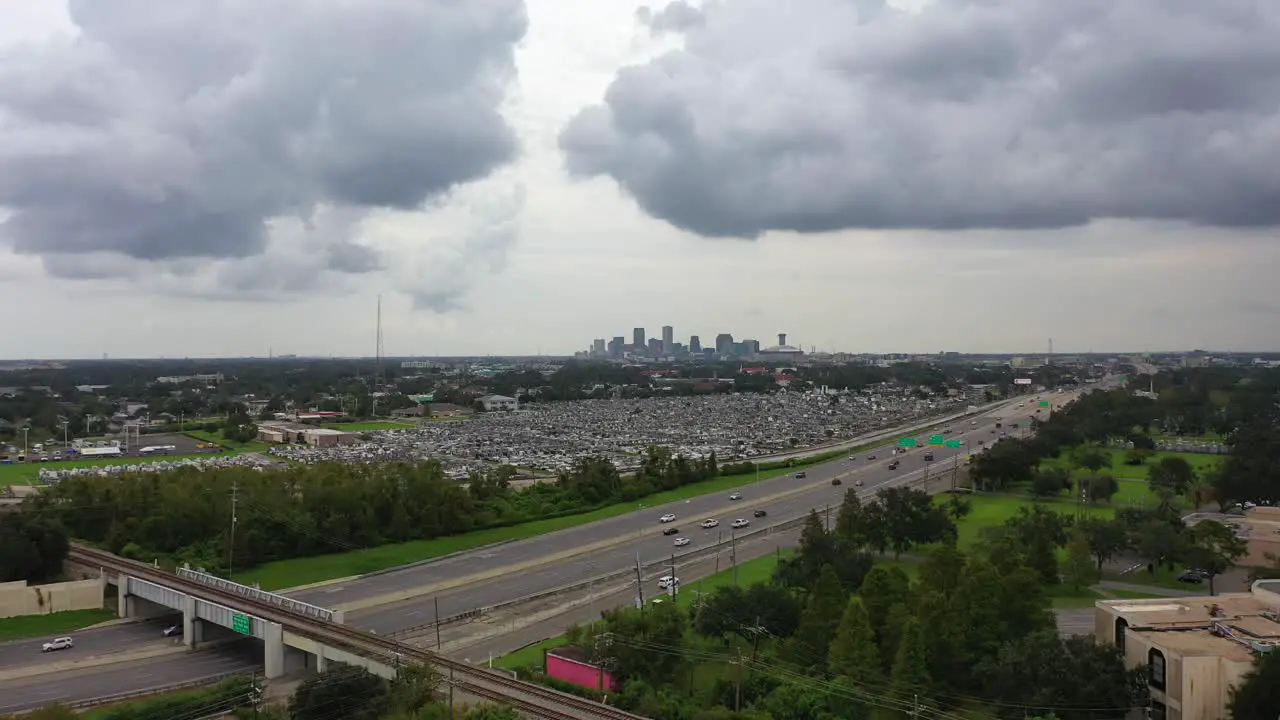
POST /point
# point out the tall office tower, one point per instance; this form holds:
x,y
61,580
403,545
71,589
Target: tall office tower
x,y
616,346
724,343
782,339
655,346
668,338
597,347
637,338
695,345
751,347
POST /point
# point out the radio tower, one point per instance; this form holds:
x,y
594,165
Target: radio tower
x,y
1050,358
378,378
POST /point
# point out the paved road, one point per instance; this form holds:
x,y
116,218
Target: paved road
x,y
89,643
648,543
19,695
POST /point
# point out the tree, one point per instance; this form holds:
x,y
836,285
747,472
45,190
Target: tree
x,y
1214,548
1049,482
911,517
1170,478
490,711
816,551
1107,539
1099,488
416,687
345,691
819,621
1040,531
1158,542
909,681
1079,570
1090,459
31,548
853,653
1258,693
1080,677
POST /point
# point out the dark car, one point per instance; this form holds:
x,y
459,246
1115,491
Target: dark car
x,y
893,465
928,457
801,475
671,531
871,457
759,513
172,631
1193,577
835,481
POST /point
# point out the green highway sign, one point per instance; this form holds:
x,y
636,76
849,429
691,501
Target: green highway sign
x,y
907,442
954,443
242,624
1044,403
936,439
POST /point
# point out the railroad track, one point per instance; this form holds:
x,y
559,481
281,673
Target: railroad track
x,y
533,700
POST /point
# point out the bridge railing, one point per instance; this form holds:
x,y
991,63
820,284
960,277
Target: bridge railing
x,y
259,595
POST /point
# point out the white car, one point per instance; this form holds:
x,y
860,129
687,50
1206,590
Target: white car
x,y
736,496
681,542
741,523
666,581
62,643
669,517
709,523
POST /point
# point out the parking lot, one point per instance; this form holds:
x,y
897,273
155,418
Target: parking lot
x,y
549,437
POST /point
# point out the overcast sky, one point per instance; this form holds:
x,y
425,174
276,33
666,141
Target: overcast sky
x,y
226,178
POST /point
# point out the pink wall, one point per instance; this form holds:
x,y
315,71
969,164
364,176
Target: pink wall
x,y
580,673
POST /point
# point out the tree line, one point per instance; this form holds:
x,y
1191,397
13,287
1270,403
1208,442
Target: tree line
x,y
183,515
835,636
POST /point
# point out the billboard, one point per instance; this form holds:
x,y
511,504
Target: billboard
x,y
1022,381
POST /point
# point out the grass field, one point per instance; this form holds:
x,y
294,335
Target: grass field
x,y
51,625
304,571
371,426
29,473
216,437
990,511
1199,461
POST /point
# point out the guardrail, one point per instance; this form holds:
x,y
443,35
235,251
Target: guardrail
x,y
260,595
147,692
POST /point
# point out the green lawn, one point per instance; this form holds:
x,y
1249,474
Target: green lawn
x,y
304,571
52,624
216,437
1120,470
990,511
371,426
29,473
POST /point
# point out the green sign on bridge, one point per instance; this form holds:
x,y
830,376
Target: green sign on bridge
x,y
936,439
907,442
242,624
955,443
1044,403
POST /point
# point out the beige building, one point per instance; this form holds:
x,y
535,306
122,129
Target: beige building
x,y
278,432
1195,648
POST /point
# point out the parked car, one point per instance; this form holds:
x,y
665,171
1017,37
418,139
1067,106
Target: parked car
x,y
670,531
1193,577
62,643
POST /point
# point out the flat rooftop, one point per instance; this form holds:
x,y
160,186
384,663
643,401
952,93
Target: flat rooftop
x,y
1224,626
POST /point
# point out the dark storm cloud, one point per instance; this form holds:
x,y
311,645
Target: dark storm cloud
x,y
821,115
177,130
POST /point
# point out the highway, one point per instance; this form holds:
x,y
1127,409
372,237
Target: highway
x,y
92,643
91,683
511,570
641,533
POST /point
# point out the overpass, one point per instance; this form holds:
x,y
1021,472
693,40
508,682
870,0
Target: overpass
x,y
297,635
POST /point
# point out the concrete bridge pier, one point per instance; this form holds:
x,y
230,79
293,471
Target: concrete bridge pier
x,y
192,626
132,606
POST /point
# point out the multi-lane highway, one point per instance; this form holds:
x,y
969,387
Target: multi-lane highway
x,y
508,576
496,574
94,643
126,677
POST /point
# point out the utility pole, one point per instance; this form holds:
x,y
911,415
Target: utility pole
x,y
231,541
737,701
827,523
719,542
436,600
733,553
639,585
675,581
915,706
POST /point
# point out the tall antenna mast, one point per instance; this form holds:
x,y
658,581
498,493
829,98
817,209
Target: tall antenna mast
x,y
378,378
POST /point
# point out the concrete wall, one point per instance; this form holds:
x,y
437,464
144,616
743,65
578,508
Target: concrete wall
x,y
17,598
580,673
